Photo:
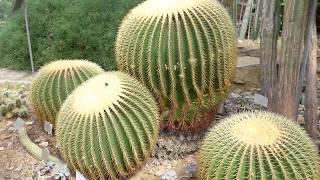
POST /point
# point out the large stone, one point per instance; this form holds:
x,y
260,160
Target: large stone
x,y
248,73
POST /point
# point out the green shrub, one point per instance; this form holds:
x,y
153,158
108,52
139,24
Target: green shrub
x,y
182,50
108,126
258,145
55,81
60,29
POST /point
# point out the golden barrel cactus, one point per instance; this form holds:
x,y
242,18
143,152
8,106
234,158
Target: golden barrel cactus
x,y
258,145
184,52
108,126
55,81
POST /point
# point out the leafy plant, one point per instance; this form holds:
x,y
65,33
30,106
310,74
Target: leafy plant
x,y
73,29
108,126
258,145
55,81
182,50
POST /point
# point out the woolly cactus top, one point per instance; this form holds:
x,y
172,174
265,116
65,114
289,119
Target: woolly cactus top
x,y
258,145
66,64
108,90
157,7
257,130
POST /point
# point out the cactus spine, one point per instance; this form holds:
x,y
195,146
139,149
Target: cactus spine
x,y
108,126
258,145
184,51
55,81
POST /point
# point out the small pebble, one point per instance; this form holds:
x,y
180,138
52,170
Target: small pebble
x,y
44,144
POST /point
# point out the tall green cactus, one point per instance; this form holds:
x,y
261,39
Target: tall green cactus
x,y
184,51
108,126
258,145
55,81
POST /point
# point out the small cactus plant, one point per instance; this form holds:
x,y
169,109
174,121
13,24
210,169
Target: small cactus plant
x,y
108,126
258,145
55,81
184,52
13,104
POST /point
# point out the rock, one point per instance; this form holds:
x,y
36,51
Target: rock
x,y
9,145
221,109
19,168
44,144
181,137
10,168
5,137
239,81
300,119
37,140
234,95
9,123
11,129
169,175
244,61
29,123
190,169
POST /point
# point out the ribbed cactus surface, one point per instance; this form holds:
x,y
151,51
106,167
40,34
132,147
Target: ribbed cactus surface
x,y
184,51
108,126
55,81
258,145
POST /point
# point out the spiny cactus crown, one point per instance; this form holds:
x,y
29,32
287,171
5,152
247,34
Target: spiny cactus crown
x,y
108,126
55,81
258,145
183,50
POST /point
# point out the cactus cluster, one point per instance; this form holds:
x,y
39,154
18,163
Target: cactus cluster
x,y
108,126
258,145
13,103
55,81
184,52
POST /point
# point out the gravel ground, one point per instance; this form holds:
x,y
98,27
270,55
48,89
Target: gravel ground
x,y
174,156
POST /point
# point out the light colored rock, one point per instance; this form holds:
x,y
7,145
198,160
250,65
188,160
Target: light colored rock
x,y
245,61
44,144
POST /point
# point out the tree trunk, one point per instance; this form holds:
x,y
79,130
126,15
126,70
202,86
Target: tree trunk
x,y
269,31
245,19
281,71
311,112
309,67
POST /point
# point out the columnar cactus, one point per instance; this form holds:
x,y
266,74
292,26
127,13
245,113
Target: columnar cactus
x,y
184,51
108,126
258,145
55,81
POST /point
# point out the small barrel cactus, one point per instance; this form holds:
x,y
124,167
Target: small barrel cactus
x,y
108,126
184,52
55,81
258,145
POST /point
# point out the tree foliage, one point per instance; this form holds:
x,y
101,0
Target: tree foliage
x,y
74,29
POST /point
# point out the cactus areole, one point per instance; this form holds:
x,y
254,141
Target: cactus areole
x,y
184,52
258,145
108,126
55,81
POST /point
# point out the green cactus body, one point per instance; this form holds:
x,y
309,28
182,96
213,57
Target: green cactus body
x,y
55,81
258,145
184,52
108,126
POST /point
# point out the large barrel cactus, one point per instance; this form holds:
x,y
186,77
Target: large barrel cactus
x,y
184,51
55,81
258,145
108,126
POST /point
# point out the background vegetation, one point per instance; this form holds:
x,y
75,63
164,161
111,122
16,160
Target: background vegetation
x,y
73,29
